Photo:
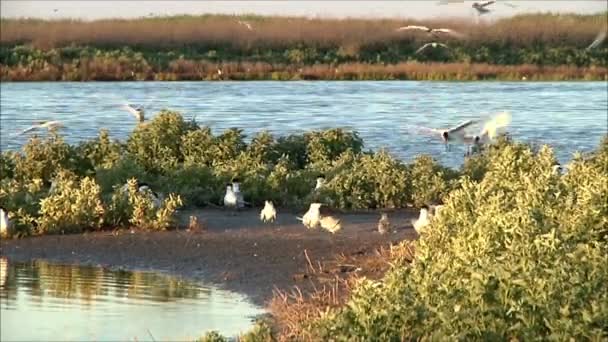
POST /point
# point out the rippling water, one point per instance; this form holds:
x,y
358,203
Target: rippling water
x,y
570,116
40,301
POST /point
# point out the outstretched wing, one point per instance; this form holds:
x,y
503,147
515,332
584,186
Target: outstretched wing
x,y
598,40
449,32
131,110
487,3
29,129
423,48
499,121
413,27
460,127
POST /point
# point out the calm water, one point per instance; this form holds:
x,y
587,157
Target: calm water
x,y
47,302
570,116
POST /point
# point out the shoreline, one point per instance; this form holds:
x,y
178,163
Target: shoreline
x,y
236,253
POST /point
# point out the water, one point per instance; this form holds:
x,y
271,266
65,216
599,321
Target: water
x,y
40,301
569,116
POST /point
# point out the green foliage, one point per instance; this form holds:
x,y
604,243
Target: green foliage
x,y
73,206
156,144
428,181
41,158
521,254
261,332
213,336
323,147
101,152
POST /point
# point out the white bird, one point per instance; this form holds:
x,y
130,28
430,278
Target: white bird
x,y
320,182
236,188
423,220
312,217
437,209
4,222
230,200
481,7
433,45
246,24
3,271
144,188
448,134
599,39
50,125
490,129
557,169
431,31
269,213
331,224
138,112
384,225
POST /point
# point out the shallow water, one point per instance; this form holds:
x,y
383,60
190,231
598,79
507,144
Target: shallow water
x,y
570,116
40,301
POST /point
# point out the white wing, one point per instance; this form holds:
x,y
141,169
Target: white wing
x,y
461,126
413,27
499,121
426,130
448,31
29,129
598,40
423,47
135,112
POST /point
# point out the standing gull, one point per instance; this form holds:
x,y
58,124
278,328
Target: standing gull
x,y
230,200
384,224
312,217
269,213
331,224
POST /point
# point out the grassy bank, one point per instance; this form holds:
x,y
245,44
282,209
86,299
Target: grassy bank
x,y
543,47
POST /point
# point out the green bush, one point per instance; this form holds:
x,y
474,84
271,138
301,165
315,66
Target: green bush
x,y
522,254
42,158
213,336
429,181
324,147
74,206
101,152
145,213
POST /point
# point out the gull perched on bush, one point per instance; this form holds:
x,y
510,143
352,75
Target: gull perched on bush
x,y
269,213
138,112
50,125
431,31
312,217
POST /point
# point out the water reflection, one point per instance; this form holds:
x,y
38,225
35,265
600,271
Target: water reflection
x,y
49,302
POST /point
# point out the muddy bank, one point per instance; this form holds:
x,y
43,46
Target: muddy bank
x,y
238,253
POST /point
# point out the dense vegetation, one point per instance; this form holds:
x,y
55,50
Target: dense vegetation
x,y
193,48
519,251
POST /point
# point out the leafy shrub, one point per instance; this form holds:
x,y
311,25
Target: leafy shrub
x,y
156,144
522,254
145,213
101,152
323,147
213,336
73,206
429,181
196,184
42,158
118,174
197,147
261,332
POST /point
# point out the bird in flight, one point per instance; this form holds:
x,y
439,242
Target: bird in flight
x,y
50,125
481,7
433,45
456,133
246,24
138,112
434,32
599,39
489,131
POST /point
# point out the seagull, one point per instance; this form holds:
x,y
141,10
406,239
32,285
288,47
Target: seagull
x,y
489,131
50,125
433,44
4,222
431,31
230,199
268,213
557,169
331,224
144,188
481,7
236,188
246,24
423,220
449,134
312,217
320,182
599,39
138,112
384,224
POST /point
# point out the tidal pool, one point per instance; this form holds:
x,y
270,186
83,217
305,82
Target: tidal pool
x,y
42,301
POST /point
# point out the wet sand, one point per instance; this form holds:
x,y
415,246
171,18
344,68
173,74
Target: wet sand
x,y
237,253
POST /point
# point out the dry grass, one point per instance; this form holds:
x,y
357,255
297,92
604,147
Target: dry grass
x,y
572,30
119,69
329,286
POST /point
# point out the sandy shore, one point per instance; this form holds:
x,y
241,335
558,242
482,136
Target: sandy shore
x,y
238,253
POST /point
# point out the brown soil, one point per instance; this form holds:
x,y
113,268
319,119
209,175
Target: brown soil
x,y
236,252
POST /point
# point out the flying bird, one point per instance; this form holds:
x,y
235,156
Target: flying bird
x,y
450,134
312,217
384,225
331,224
481,7
422,221
431,31
269,213
433,44
489,130
246,24
599,39
138,112
50,125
